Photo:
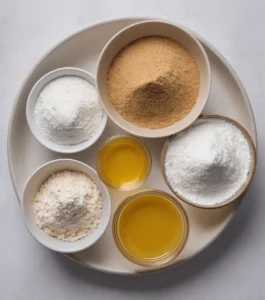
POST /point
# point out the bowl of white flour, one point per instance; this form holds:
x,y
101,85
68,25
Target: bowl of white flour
x,y
65,206
211,163
64,112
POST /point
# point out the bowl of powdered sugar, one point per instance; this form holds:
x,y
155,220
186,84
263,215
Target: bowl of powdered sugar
x,y
65,206
63,111
211,163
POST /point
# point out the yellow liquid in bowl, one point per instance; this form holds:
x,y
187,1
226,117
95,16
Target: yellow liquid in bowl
x,y
150,226
123,162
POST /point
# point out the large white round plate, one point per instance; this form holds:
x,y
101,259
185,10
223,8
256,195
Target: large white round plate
x,y
26,154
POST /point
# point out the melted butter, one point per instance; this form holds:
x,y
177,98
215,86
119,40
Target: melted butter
x,y
150,226
123,163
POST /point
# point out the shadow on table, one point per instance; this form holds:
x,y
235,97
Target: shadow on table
x,y
174,275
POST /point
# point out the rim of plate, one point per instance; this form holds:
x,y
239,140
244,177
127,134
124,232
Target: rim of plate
x,y
105,22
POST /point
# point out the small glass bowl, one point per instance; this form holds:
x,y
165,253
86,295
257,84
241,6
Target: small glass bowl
x,y
158,261
131,185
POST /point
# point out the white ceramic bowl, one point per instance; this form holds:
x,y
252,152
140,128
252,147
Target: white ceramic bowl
x,y
33,186
31,102
151,28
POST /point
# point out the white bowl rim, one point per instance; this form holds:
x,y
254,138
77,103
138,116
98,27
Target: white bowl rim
x,y
57,147
103,186
207,64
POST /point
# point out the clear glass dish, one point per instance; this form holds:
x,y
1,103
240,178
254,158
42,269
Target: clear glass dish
x,y
161,260
129,185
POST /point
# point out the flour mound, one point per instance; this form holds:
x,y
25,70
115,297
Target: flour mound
x,y
68,206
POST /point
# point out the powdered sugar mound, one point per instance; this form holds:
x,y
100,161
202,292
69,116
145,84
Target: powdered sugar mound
x,y
67,110
208,162
68,206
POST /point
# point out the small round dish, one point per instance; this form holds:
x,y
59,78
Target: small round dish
x,y
131,184
31,102
32,187
144,29
161,260
244,187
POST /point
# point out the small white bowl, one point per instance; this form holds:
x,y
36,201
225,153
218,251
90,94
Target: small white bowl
x,y
31,102
31,189
144,29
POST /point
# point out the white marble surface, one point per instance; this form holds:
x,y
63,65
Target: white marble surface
x,y
233,267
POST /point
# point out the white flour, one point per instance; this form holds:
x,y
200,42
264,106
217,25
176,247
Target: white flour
x,y
208,162
67,110
68,206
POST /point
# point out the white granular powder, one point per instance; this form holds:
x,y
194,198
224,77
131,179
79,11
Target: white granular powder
x,y
209,162
67,110
68,206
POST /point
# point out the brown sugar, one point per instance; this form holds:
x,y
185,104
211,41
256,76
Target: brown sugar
x,y
153,82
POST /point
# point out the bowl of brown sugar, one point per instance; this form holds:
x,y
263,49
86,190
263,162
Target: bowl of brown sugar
x,y
153,79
